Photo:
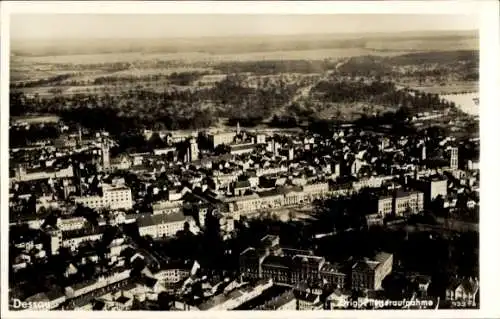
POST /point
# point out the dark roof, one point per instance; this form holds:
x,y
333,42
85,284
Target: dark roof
x,y
242,147
400,193
331,268
77,233
148,281
303,295
365,265
268,240
382,257
149,220
122,299
54,293
292,251
272,192
242,184
313,261
250,251
98,305
277,262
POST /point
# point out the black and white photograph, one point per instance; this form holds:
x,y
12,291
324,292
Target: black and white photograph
x,y
244,161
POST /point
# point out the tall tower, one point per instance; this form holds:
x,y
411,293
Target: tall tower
x,y
290,154
20,172
105,155
79,136
424,152
454,158
238,128
193,150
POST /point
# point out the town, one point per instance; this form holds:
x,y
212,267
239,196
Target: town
x,y
182,166
181,227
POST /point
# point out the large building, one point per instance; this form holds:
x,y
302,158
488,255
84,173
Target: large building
x,y
164,225
221,138
400,203
270,261
113,197
278,198
24,175
412,202
432,187
193,152
105,160
368,274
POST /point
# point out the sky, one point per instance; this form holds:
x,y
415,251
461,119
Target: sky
x,y
92,26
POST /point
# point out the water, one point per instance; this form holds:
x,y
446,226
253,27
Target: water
x,y
467,102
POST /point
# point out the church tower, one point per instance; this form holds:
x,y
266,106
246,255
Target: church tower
x,y
454,158
105,163
194,152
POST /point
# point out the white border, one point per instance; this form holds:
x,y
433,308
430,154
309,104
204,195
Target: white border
x,y
489,97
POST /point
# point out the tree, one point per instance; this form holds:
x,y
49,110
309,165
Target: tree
x,y
165,301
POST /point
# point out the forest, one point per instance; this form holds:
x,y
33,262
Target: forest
x,y
139,108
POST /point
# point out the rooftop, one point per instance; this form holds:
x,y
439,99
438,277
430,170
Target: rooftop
x,y
305,296
157,219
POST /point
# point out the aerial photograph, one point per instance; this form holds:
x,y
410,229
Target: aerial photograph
x,y
194,162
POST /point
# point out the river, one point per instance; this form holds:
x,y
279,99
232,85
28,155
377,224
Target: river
x,y
467,102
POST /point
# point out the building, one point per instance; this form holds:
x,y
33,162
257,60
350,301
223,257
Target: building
x,y
400,203
72,239
165,225
251,259
233,299
412,202
454,158
167,207
306,267
332,274
193,152
25,175
113,197
307,301
276,198
105,161
284,301
71,223
221,138
287,266
338,299
432,187
243,148
473,165
368,274
102,281
55,241
261,139
371,182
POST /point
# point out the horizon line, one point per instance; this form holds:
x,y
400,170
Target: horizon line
x,y
354,33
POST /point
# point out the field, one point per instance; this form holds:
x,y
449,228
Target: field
x,y
428,44
274,74
197,57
